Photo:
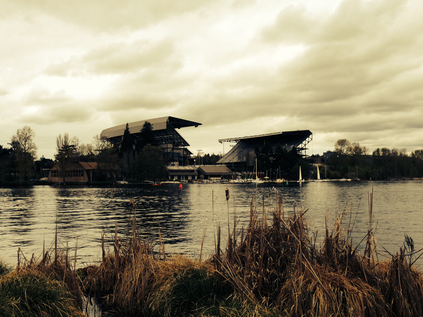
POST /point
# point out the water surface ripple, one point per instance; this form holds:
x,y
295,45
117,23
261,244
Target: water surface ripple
x,y
29,216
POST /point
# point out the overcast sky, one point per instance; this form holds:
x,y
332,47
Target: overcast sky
x,y
339,68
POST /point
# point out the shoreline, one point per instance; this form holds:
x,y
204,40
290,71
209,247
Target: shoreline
x,y
273,268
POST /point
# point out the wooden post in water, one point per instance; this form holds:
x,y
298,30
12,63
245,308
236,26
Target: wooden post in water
x,y
76,248
116,247
19,260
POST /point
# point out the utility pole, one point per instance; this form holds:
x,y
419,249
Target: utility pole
x,y
199,156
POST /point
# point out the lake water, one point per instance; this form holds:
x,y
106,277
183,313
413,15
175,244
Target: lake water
x,y
28,216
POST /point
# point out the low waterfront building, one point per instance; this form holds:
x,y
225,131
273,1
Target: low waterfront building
x,y
214,172
83,172
180,173
195,172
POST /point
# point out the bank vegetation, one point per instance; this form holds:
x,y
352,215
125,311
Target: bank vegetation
x,y
351,160
274,267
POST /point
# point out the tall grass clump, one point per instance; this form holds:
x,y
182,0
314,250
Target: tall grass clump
x,y
124,278
276,264
4,268
48,286
273,267
30,294
402,285
134,280
190,288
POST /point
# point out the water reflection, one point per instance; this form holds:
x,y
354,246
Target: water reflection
x,y
183,217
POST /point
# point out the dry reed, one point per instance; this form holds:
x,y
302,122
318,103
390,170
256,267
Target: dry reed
x,y
50,285
277,265
272,268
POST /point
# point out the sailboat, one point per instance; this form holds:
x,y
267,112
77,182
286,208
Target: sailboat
x,y
318,174
257,180
300,178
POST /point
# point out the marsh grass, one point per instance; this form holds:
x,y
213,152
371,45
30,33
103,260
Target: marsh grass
x,y
4,268
33,294
45,286
274,267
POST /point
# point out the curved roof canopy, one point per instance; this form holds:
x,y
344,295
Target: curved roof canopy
x,y
157,124
163,130
245,145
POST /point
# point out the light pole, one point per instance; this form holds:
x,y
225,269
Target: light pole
x,y
199,151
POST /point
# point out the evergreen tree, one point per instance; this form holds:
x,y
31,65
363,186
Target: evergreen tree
x,y
66,153
126,151
210,159
5,165
146,136
127,144
149,164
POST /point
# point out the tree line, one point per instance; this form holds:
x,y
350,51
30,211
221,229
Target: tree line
x,y
351,160
19,164
136,159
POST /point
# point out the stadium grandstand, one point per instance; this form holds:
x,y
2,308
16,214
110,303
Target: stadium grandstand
x,y
165,136
242,156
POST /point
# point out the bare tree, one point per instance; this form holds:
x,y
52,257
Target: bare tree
x,y
24,139
341,146
101,144
25,151
355,149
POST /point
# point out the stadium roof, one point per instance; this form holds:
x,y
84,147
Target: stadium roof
x,y
157,124
163,129
246,146
284,135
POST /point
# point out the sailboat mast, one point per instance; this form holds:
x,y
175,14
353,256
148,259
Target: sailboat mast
x,y
301,177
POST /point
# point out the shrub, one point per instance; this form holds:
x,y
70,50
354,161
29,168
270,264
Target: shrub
x,y
23,294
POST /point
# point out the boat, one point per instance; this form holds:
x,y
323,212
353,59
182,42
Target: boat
x,y
257,180
241,181
300,177
318,174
